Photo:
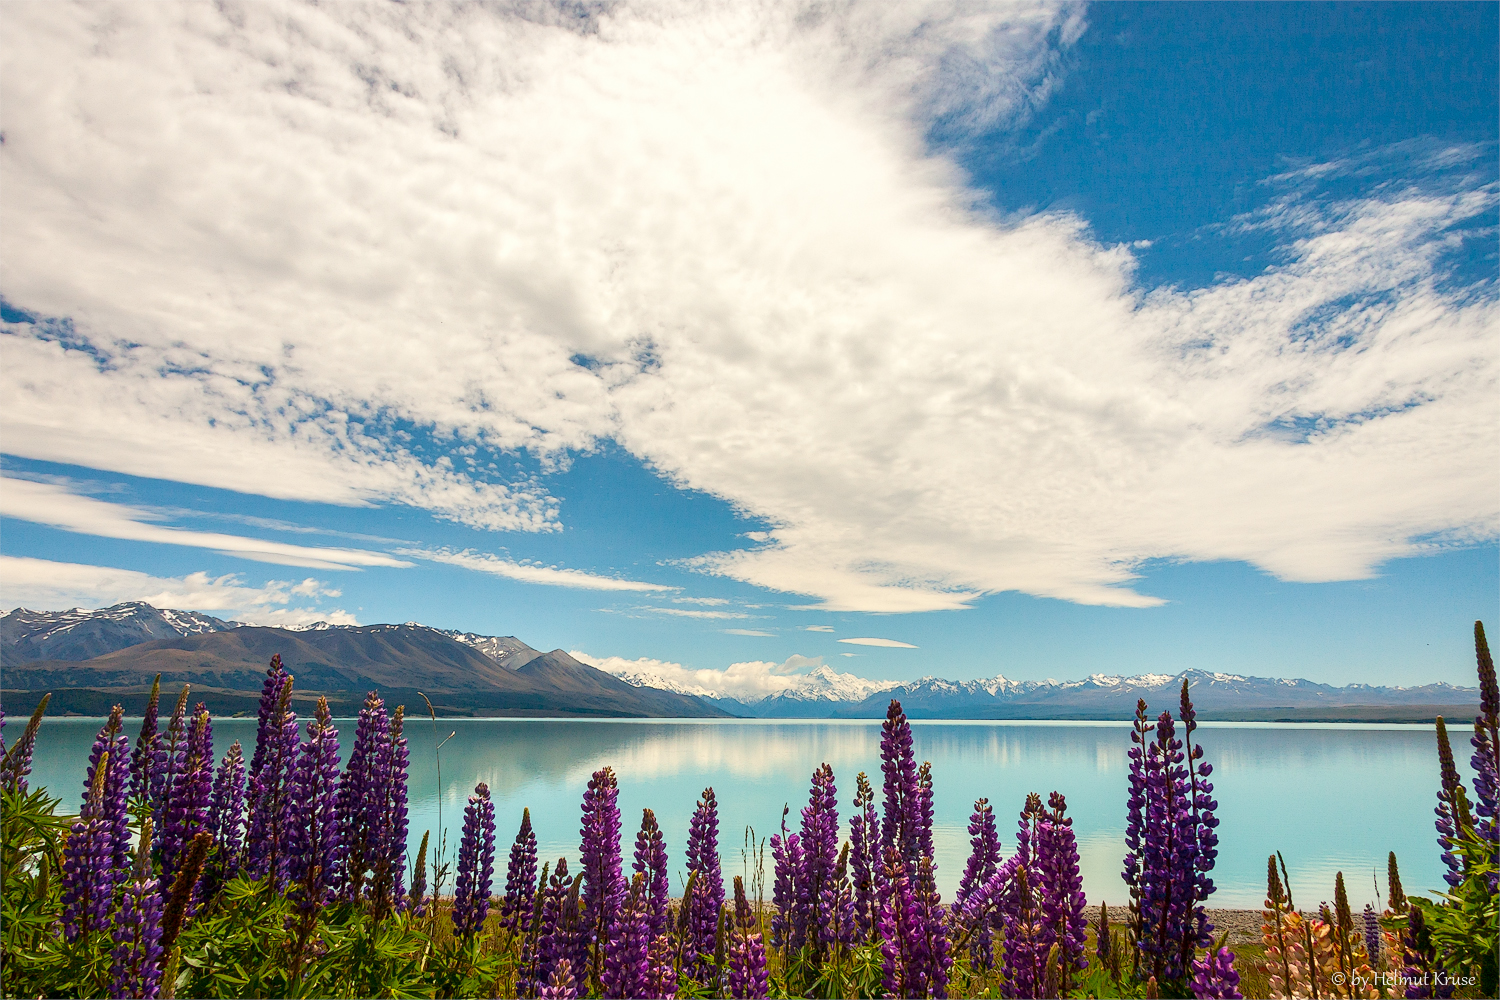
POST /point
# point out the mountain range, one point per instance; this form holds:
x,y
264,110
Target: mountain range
x,y
87,656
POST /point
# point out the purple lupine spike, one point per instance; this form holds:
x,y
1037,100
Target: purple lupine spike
x,y
786,851
361,796
270,785
913,943
16,764
1486,757
662,975
390,820
922,810
268,725
2,733
899,824
748,978
1135,814
312,824
476,861
1025,950
90,870
143,761
226,814
984,859
814,917
599,856
1373,937
627,960
1061,890
166,763
560,983
520,879
707,898
135,970
651,861
1214,977
1452,809
188,800
1200,845
864,841
559,933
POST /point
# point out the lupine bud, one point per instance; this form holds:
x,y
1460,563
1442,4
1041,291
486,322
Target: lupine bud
x,y
143,761
416,903
651,861
476,861
707,898
178,909
135,970
520,879
16,764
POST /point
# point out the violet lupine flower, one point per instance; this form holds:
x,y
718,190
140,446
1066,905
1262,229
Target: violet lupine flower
x,y
226,813
815,916
16,764
1373,937
651,861
1061,889
360,796
1452,810
1214,977
984,859
1421,960
899,825
272,769
1135,813
166,763
560,984
143,761
1203,844
312,836
913,942
1486,758
136,967
520,879
98,843
864,840
560,943
189,798
599,856
786,852
386,884
748,979
1026,945
707,897
627,962
922,810
476,859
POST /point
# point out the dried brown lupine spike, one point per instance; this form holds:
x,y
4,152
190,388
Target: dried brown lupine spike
x,y
182,889
28,736
1397,899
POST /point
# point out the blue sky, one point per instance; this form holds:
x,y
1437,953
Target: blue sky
x,y
1038,340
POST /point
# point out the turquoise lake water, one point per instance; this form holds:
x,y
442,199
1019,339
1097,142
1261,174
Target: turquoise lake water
x,y
1329,797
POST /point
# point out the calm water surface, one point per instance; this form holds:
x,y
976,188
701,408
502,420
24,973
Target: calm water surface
x,y
1330,797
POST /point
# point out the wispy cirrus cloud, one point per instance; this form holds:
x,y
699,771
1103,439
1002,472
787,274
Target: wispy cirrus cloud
x,y
529,572
42,584
58,507
888,643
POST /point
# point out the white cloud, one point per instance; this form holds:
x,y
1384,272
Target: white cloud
x,y
748,681
550,576
891,643
56,506
41,584
287,236
818,628
749,631
711,601
690,613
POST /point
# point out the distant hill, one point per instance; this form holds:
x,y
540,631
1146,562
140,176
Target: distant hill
x,y
80,635
464,677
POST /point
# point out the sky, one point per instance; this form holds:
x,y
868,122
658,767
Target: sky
x,y
907,339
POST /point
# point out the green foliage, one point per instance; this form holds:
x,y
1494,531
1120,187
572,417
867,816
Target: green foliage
x,y
1465,926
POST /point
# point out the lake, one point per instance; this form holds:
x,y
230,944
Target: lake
x,y
1330,797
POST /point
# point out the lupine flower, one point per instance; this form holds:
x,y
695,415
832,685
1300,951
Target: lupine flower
x,y
651,861
1026,946
386,885
188,800
815,914
786,851
662,974
559,934
360,797
476,859
599,855
1104,947
270,783
864,840
416,903
16,764
747,953
898,827
627,961
984,859
312,828
135,970
143,761
1452,810
913,943
1214,976
87,877
520,879
226,813
1061,889
559,985
166,763
1421,959
707,897
178,908
922,811
1486,758
1371,921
